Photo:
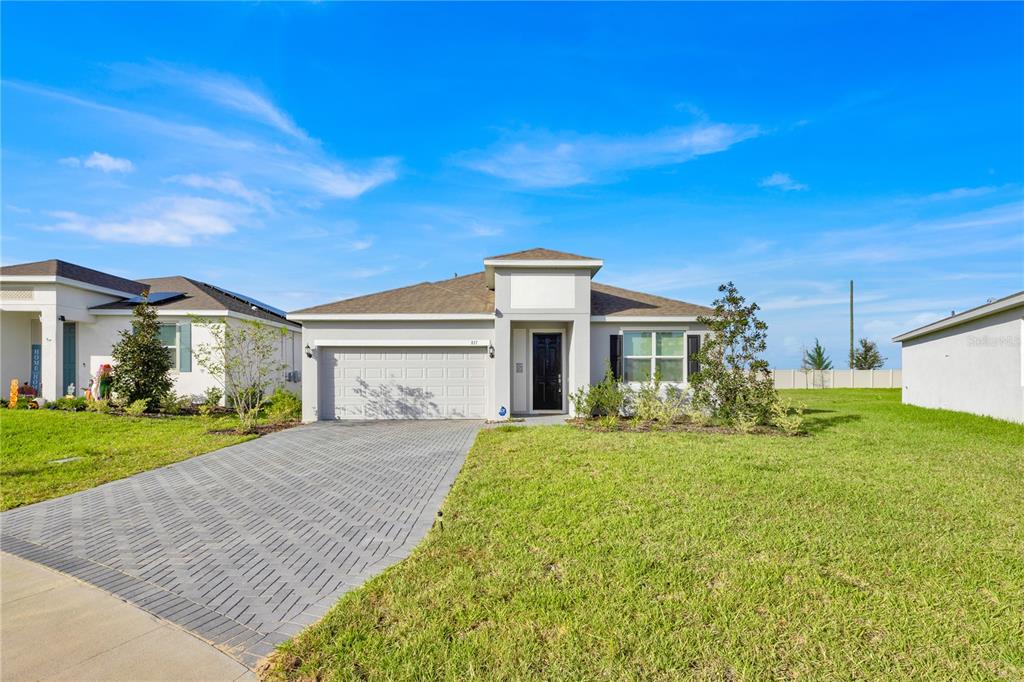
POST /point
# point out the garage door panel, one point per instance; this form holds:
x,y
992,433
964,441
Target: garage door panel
x,y
404,384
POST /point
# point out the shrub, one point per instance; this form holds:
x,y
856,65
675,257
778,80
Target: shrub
x,y
142,365
284,406
672,406
171,403
734,384
609,422
788,417
137,407
606,398
68,404
647,403
100,406
212,396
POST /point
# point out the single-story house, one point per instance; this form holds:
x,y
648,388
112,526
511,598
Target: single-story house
x,y
970,362
59,322
515,339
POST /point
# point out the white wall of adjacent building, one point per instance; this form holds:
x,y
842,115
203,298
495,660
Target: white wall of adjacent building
x,y
30,314
977,367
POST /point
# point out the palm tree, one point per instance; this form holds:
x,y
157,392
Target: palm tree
x,y
816,358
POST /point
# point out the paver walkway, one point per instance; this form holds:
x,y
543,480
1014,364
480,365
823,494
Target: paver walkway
x,y
247,545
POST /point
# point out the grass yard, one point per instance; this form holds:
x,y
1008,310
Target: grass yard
x,y
110,448
888,544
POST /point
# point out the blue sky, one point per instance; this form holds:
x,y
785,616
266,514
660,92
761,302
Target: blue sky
x,y
303,153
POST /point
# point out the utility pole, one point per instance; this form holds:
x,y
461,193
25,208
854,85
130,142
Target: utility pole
x,y
851,324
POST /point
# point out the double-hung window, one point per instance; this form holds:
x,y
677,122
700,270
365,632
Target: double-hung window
x,y
645,353
171,340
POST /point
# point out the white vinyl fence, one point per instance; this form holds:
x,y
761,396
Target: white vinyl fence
x,y
838,378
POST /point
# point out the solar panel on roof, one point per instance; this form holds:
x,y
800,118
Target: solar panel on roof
x,y
155,297
252,301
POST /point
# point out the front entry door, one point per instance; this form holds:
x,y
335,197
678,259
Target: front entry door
x,y
70,357
547,371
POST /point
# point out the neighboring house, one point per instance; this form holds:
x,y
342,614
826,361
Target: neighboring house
x,y
517,338
59,322
971,362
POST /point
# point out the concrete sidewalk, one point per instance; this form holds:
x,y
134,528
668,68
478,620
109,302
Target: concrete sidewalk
x,y
54,627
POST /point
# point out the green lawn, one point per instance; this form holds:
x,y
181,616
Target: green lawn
x,y
110,447
888,544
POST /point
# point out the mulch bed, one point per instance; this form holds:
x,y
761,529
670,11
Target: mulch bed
x,y
261,429
629,426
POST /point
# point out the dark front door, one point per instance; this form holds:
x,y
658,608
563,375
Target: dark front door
x,y
70,357
547,371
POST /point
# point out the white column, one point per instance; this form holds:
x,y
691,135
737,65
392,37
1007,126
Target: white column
x,y
502,369
52,340
579,356
310,380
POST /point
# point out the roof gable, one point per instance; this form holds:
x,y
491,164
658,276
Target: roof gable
x,y
539,254
78,273
469,294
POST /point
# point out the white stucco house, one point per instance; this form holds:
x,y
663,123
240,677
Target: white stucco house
x,y
970,362
516,338
59,322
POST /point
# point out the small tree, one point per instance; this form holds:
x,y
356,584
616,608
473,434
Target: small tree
x,y
867,356
734,383
816,358
142,364
243,359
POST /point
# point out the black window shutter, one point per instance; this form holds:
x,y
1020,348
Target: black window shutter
x,y
615,356
692,347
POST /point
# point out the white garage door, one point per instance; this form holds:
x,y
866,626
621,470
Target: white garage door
x,y
404,383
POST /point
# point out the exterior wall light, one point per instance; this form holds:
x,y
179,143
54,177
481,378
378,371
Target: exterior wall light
x,y
490,351
309,351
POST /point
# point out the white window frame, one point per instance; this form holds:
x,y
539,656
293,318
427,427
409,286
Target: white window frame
x,y
176,356
654,357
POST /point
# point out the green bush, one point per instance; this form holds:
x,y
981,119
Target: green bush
x,y
606,398
171,403
788,417
100,406
137,408
68,404
647,403
284,406
212,397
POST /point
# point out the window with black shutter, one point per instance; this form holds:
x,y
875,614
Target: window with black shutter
x,y
692,348
615,355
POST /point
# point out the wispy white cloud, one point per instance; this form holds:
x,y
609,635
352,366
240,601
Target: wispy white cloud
x,y
108,163
548,160
960,193
222,89
167,221
336,180
225,185
304,168
471,221
99,161
782,181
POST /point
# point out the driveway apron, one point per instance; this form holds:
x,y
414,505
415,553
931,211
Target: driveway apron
x,y
247,545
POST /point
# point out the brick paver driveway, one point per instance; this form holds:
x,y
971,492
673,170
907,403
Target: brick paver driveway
x,y
246,545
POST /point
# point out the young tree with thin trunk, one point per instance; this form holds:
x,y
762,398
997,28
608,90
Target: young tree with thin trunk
x,y
867,356
142,364
816,358
243,358
734,383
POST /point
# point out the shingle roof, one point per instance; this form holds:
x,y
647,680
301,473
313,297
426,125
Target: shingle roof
x,y
459,295
197,296
470,294
611,301
540,254
59,268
